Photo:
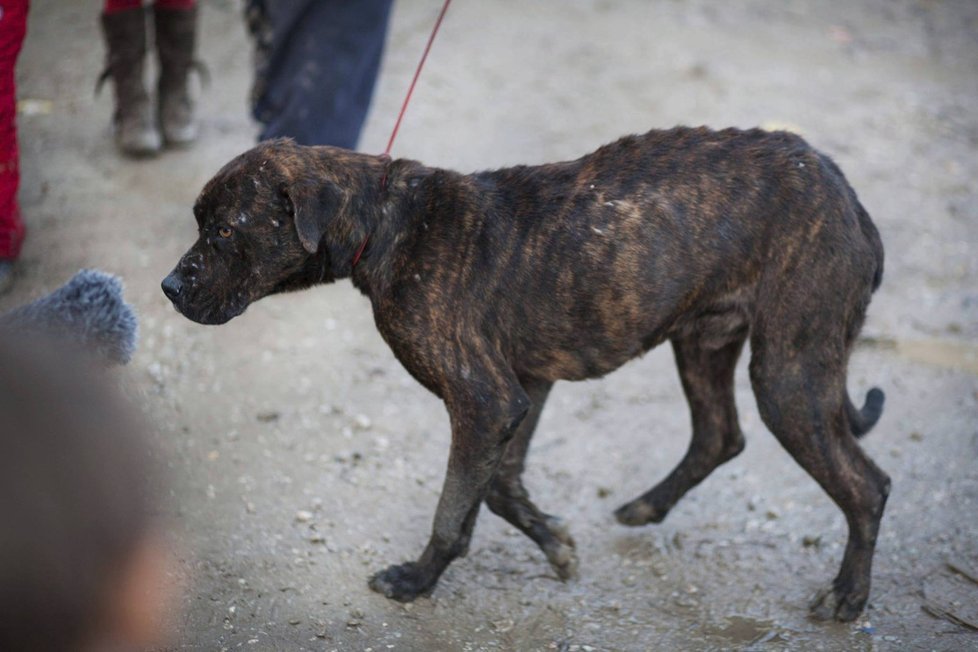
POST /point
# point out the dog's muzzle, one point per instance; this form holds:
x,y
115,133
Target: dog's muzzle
x,y
172,286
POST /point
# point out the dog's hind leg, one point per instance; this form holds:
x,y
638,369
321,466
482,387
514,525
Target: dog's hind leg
x,y
509,499
707,376
801,398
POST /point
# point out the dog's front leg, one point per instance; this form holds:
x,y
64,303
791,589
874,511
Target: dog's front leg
x,y
484,417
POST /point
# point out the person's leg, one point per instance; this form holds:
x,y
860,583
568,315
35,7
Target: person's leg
x,y
124,29
316,65
176,37
13,27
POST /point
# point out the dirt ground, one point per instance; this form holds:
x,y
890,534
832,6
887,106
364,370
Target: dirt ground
x,y
302,458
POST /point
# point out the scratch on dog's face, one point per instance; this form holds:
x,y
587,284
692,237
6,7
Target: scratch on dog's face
x,y
247,246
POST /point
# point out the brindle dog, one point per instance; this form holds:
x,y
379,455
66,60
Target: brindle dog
x,y
489,287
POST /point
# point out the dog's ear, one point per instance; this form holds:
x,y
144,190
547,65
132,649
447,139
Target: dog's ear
x,y
312,204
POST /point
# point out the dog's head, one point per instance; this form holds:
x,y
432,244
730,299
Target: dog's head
x,y
261,223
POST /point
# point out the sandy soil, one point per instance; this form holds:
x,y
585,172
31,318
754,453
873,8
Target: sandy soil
x,y
303,458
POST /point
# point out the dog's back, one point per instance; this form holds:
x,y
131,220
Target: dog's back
x,y
577,267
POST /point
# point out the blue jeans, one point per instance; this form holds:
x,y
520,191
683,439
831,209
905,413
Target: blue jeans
x,y
315,67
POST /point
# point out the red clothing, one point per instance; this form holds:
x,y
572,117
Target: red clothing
x,y
13,27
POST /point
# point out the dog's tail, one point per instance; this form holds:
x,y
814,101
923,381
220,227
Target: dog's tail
x,y
862,421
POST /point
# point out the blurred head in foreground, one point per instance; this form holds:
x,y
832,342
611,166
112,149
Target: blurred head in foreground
x,y
82,565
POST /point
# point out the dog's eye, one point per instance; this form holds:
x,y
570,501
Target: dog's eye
x,y
224,231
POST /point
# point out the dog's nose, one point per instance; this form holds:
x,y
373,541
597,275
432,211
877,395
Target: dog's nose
x,y
172,286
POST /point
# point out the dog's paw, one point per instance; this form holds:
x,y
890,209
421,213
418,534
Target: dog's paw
x,y
403,582
832,603
639,512
560,552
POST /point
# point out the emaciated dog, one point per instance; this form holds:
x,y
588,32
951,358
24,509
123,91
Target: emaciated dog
x,y
489,287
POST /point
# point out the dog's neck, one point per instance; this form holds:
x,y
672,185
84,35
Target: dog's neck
x,y
354,218
376,222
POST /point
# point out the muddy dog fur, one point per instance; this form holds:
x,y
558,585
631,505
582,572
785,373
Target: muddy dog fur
x,y
489,287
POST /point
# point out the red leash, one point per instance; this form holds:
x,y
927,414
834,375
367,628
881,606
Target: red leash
x,y
400,116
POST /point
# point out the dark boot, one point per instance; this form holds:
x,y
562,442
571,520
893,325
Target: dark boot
x,y
125,39
176,36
